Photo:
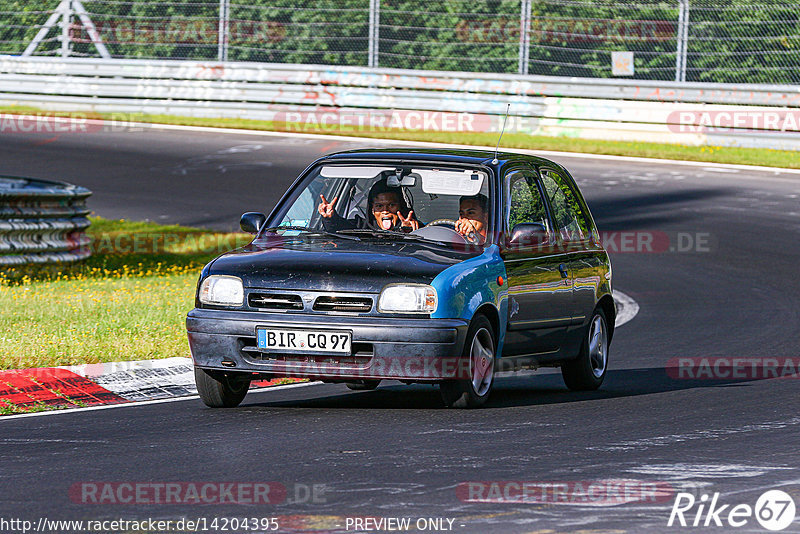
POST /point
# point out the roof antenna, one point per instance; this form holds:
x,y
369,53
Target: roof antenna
x,y
495,160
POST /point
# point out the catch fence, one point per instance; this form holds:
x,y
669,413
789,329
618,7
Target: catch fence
x,y
721,41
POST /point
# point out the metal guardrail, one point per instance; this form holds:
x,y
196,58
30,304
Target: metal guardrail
x,y
303,77
42,222
625,110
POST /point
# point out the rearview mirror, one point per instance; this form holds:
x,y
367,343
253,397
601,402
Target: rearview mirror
x,y
529,235
252,221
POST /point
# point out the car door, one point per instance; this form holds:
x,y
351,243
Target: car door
x,y
578,236
540,292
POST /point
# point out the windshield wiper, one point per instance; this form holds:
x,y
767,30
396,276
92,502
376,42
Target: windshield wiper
x,y
379,232
310,230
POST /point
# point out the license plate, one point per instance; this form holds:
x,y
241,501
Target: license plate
x,y
304,340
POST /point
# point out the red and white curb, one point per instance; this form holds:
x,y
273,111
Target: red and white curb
x,y
81,386
142,380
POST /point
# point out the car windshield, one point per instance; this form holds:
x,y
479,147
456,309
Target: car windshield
x,y
378,201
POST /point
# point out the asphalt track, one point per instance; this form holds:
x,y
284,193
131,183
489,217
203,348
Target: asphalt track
x,y
395,451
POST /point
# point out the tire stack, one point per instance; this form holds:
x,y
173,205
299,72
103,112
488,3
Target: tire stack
x,y
42,222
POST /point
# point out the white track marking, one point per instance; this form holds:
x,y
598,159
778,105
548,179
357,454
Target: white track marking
x,y
717,169
142,403
681,471
627,308
648,161
263,133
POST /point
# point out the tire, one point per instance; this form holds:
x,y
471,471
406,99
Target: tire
x,y
587,371
480,348
218,390
363,385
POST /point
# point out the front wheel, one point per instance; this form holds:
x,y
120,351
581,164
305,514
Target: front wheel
x,y
587,371
218,390
479,353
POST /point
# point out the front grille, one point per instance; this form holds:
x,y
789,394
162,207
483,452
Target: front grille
x,y
361,356
275,301
343,304
349,361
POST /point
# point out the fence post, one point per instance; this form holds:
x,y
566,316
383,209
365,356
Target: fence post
x,y
66,22
224,30
681,52
97,40
524,36
374,32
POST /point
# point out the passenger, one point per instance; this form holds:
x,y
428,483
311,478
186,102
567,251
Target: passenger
x,y
473,213
386,204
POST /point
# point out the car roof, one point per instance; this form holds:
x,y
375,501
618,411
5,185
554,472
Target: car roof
x,y
454,155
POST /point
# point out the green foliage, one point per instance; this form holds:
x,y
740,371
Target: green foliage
x,y
526,204
729,40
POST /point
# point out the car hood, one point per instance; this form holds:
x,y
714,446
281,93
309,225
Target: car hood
x,y
307,263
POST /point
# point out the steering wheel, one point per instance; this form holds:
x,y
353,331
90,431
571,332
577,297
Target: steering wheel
x,y
450,223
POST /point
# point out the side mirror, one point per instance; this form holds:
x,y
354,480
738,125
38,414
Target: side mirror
x,y
252,222
529,235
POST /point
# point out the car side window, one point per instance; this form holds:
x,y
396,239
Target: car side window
x,y
569,218
525,201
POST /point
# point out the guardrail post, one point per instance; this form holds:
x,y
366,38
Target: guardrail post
x,y
681,52
374,32
224,30
524,36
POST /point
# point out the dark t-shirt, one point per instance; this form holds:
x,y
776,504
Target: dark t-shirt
x,y
337,222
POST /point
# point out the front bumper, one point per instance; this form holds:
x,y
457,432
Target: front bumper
x,y
382,348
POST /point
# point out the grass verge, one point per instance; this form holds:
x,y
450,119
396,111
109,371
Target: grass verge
x,y
127,302
742,156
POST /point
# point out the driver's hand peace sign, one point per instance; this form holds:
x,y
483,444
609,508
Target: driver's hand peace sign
x,y
326,208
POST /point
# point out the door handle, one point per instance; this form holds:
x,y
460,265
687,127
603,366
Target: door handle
x,y
563,269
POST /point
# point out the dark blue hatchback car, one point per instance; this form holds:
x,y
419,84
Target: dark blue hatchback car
x,y
435,266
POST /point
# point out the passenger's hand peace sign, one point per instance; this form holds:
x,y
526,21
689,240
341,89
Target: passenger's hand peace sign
x,y
408,222
325,208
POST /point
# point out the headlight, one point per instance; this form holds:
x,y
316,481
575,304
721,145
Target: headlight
x,y
222,291
407,298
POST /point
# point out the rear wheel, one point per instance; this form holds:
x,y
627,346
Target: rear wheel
x,y
479,355
587,371
218,390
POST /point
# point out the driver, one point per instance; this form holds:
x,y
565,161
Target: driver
x,y
386,205
473,218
